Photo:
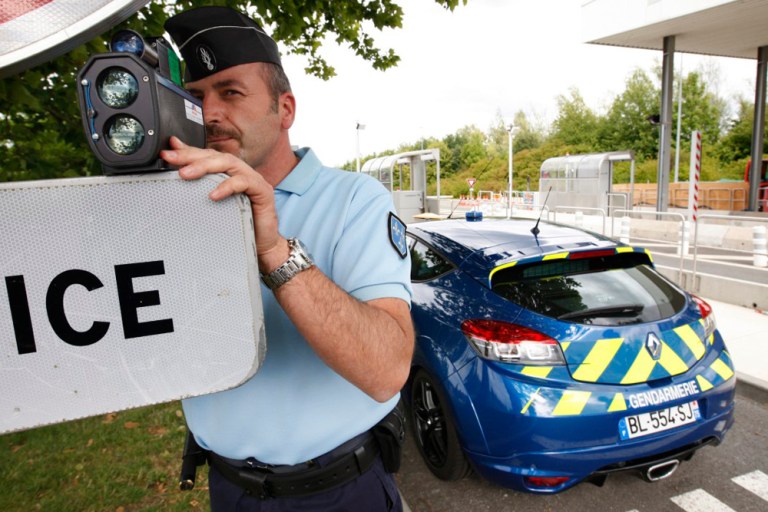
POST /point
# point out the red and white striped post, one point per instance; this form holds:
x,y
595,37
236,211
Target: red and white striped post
x,y
695,171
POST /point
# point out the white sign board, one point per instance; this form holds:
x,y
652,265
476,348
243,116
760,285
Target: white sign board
x,y
119,292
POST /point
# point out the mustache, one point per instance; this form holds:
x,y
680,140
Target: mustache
x,y
218,131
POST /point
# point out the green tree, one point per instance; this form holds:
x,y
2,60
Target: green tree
x,y
528,136
464,148
576,124
473,148
626,125
702,110
736,144
497,140
40,128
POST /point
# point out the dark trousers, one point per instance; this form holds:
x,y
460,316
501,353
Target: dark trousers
x,y
373,491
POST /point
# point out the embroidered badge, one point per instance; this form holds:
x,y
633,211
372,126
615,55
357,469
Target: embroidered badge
x,y
397,235
206,57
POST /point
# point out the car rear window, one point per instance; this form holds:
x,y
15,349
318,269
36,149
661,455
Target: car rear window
x,y
618,289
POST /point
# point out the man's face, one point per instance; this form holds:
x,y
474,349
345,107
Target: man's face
x,y
241,117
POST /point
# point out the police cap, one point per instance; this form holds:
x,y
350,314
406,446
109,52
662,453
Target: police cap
x,y
213,38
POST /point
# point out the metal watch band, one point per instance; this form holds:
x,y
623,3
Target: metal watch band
x,y
298,261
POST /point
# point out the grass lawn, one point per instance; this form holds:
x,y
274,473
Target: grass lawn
x,y
119,462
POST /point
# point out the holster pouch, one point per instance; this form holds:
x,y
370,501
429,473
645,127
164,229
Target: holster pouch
x,y
390,435
192,457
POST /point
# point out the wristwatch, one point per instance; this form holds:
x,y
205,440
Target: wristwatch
x,y
298,261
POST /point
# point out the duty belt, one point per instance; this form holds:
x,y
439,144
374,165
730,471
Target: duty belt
x,y
265,483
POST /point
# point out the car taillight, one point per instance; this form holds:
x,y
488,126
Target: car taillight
x,y
510,343
707,315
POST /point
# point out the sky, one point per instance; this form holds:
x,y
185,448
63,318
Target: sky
x,y
460,68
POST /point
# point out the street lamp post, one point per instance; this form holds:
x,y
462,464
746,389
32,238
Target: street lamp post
x,y
512,129
359,127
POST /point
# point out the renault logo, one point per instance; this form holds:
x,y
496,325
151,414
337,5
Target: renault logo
x,y
653,345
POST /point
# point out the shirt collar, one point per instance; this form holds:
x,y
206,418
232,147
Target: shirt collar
x,y
303,175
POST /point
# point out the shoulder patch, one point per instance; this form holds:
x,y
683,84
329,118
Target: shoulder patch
x,y
397,235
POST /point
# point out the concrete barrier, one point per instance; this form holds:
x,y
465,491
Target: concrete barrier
x,y
732,291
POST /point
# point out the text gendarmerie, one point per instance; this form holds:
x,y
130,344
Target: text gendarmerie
x,y
662,395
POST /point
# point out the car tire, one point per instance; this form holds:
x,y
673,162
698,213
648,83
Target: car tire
x,y
435,434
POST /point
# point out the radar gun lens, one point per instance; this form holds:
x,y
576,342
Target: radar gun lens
x,y
117,87
124,134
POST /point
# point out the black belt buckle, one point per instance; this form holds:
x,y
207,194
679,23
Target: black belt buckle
x,y
255,483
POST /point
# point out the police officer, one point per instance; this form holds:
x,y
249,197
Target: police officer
x,y
336,291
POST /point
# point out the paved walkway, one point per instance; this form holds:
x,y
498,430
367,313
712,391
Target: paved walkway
x,y
745,332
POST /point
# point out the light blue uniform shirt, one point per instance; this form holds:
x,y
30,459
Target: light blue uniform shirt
x,y
296,407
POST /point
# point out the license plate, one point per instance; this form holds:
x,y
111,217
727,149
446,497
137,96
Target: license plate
x,y
658,421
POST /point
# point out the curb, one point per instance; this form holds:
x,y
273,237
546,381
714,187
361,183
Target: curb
x,y
753,388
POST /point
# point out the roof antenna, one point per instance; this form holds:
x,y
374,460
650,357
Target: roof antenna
x,y
454,209
535,229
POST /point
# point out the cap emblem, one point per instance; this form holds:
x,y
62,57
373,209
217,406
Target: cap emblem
x,y
206,58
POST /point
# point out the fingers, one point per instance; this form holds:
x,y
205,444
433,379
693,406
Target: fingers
x,y
194,163
234,185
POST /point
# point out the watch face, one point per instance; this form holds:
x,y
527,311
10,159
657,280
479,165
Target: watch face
x,y
298,244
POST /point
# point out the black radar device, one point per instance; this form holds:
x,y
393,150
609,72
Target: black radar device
x,y
131,102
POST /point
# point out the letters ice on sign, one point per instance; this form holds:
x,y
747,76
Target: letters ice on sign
x,y
119,292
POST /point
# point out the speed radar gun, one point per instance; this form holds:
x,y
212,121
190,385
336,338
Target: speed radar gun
x,y
132,288
131,102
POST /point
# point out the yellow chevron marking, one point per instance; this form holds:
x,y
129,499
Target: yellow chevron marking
x,y
564,345
691,339
704,384
671,361
624,249
712,339
556,256
530,401
501,267
618,403
650,257
571,403
597,360
641,368
722,369
537,371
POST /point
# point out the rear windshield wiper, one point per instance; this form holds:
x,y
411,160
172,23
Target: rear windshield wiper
x,y
621,310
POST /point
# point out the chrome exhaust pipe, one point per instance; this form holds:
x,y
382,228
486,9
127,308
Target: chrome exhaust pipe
x,y
661,471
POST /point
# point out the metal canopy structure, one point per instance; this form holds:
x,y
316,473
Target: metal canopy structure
x,y
410,199
723,28
586,180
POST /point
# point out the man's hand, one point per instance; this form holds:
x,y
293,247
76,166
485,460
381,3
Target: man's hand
x,y
194,163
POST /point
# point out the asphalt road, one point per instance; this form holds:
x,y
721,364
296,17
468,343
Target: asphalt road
x,y
704,484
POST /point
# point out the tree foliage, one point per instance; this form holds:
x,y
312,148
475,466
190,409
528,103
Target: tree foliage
x,y
736,143
626,125
576,124
41,135
702,110
577,129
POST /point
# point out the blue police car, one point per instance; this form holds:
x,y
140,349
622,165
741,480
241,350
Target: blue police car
x,y
549,356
